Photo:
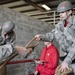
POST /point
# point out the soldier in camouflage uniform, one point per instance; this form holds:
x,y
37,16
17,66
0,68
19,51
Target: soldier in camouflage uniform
x,y
64,33
7,41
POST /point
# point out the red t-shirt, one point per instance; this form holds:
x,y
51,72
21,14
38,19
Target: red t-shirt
x,y
66,23
51,57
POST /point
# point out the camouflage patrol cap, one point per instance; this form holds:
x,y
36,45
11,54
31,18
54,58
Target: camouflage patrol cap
x,y
64,6
8,26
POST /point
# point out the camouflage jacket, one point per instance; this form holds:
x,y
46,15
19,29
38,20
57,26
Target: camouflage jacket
x,y
65,36
7,45
9,39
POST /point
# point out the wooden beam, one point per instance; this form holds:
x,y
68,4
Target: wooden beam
x,y
7,1
43,1
12,7
35,5
28,10
37,14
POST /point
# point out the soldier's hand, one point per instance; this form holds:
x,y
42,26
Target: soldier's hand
x,y
21,50
38,37
63,67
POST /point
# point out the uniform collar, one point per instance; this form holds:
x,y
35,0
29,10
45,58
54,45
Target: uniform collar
x,y
66,23
70,21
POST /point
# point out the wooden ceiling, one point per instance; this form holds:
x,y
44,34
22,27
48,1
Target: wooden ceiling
x,y
34,8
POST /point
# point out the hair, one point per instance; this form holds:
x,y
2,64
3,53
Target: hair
x,y
71,10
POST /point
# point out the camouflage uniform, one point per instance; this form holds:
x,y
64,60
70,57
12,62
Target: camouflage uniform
x,y
65,36
6,45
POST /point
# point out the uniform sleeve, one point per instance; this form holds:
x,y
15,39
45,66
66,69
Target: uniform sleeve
x,y
2,39
70,32
5,51
71,54
51,35
48,36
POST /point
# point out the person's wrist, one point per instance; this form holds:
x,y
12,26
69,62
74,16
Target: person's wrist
x,y
40,38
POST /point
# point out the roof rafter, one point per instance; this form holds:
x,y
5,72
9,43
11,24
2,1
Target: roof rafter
x,y
35,5
7,1
28,10
12,7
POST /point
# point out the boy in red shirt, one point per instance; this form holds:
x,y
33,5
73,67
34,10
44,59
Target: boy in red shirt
x,y
48,61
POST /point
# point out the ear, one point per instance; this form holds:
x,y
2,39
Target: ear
x,y
70,12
